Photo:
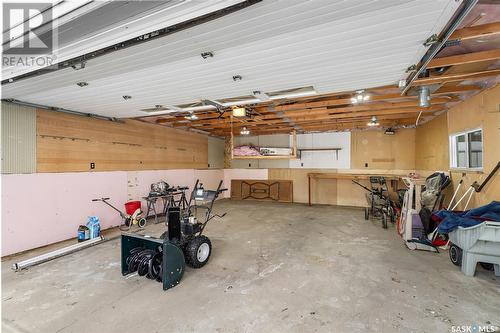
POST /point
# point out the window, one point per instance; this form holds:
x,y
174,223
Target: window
x,y
466,150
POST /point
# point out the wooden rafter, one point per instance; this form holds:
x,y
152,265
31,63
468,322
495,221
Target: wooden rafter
x,y
465,58
476,31
456,77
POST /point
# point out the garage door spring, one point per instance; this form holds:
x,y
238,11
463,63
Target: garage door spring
x,y
146,262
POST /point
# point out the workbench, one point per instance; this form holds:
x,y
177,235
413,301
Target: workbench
x,y
348,176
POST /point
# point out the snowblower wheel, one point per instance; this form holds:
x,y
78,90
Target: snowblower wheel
x,y
141,223
197,251
455,254
367,213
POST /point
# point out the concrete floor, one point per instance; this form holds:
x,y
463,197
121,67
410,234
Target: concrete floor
x,y
274,268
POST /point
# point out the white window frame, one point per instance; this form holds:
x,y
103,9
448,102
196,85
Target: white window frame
x,y
453,149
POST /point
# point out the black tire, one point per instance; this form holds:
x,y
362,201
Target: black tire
x,y
455,255
487,266
384,220
195,252
367,213
141,223
392,215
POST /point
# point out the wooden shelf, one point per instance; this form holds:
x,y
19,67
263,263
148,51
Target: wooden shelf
x,y
263,157
336,150
271,157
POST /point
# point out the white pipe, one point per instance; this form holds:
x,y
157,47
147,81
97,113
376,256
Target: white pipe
x,y
455,194
463,196
468,200
56,254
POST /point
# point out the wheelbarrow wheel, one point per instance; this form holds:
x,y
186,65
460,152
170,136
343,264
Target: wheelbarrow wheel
x,y
367,213
455,254
197,251
141,223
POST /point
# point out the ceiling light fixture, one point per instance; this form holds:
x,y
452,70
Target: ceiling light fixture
x,y
82,84
239,112
390,131
373,122
244,131
360,97
192,116
126,97
237,78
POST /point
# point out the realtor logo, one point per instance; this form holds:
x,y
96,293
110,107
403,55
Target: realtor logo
x,y
27,28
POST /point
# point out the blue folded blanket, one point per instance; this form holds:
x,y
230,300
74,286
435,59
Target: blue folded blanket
x,y
452,220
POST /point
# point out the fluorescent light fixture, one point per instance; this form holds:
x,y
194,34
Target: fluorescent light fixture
x,y
198,108
239,112
244,131
294,95
56,254
261,96
242,102
373,122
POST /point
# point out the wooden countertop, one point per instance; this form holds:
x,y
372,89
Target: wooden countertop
x,y
318,175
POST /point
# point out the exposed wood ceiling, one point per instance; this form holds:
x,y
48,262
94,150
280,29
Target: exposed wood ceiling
x,y
455,73
332,45
337,47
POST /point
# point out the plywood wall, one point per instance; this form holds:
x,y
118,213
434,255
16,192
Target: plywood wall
x,y
328,191
482,110
380,151
70,143
431,145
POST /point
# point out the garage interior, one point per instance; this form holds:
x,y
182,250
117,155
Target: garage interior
x,y
251,165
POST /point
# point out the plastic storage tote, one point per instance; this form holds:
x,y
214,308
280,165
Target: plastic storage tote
x,y
479,243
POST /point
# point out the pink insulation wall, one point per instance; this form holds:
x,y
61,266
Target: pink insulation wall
x,y
44,208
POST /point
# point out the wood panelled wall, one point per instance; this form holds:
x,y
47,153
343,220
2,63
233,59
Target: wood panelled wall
x,y
382,151
431,150
68,142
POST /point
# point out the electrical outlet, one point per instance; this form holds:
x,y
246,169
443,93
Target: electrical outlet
x,y
366,165
92,165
